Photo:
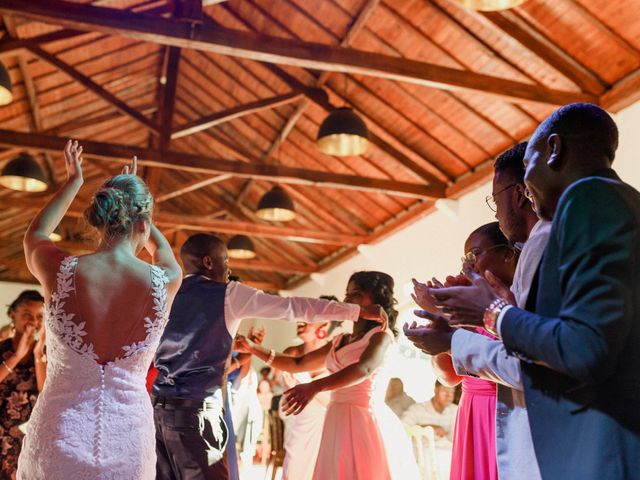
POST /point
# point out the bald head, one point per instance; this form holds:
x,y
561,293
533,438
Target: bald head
x,y
586,130
207,255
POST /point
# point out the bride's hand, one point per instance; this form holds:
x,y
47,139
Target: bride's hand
x,y
298,397
73,160
132,169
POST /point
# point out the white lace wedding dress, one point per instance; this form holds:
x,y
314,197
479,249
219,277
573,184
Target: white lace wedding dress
x,y
93,421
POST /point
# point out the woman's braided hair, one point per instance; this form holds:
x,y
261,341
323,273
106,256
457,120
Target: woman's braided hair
x,y
121,202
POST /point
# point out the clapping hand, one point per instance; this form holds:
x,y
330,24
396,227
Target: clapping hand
x,y
73,160
431,339
374,313
242,344
38,350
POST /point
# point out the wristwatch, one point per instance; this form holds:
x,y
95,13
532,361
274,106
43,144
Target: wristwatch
x,y
491,315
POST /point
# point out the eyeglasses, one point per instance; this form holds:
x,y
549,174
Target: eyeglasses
x,y
471,256
491,199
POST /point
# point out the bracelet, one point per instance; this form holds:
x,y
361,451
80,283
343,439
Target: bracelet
x,y
272,355
9,369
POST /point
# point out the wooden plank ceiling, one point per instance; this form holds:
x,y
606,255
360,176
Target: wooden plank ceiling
x,y
223,99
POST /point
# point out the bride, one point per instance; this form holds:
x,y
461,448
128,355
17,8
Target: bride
x,y
104,316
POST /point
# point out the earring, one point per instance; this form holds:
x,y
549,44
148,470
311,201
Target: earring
x,y
321,334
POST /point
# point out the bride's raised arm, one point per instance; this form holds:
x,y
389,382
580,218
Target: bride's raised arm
x,y
41,254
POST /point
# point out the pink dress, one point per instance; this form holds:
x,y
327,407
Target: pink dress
x,y
352,445
474,438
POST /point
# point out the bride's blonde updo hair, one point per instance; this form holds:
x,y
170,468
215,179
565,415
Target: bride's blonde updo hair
x,y
121,202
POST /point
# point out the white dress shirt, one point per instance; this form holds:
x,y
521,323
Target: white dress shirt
x,y
480,356
243,302
424,413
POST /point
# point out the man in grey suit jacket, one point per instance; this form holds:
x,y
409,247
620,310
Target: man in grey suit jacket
x,y
579,338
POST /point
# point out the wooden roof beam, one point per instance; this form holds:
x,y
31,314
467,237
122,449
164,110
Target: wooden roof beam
x,y
623,93
265,266
201,224
197,163
195,185
536,42
217,118
94,87
271,49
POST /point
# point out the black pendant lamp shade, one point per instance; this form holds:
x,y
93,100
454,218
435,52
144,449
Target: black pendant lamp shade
x,y
241,247
24,174
343,133
5,86
276,206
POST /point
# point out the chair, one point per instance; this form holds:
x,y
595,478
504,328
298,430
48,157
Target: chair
x,y
276,432
419,437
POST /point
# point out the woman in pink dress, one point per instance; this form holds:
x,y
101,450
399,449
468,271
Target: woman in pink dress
x,y
474,438
353,446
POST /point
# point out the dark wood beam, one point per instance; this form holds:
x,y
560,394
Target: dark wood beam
x,y
279,50
548,51
94,87
169,96
9,45
190,187
623,93
201,224
197,163
217,118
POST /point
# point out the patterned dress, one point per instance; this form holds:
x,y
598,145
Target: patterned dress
x,y
18,394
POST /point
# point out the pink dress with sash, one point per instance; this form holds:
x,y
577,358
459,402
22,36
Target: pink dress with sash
x,y
353,445
474,438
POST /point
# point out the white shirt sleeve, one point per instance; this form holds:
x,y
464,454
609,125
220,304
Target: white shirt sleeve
x,y
476,355
500,317
243,302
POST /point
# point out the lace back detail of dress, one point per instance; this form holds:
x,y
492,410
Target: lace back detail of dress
x,y
61,323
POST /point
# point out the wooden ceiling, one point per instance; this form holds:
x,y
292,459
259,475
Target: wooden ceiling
x,y
220,100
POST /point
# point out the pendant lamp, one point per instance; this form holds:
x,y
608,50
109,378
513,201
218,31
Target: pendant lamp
x,y
24,174
489,5
343,133
56,235
5,86
276,206
241,247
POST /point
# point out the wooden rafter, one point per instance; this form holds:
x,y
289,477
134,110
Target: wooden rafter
x,y
548,51
278,50
624,93
94,87
195,185
201,224
198,163
217,118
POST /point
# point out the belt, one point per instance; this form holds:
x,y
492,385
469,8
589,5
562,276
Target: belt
x,y
181,402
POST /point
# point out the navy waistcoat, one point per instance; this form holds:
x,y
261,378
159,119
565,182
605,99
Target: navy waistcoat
x,y
193,351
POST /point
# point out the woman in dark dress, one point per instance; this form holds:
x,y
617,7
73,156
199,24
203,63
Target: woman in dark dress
x,y
22,374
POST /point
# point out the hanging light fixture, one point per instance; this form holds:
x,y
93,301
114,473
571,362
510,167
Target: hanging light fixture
x,y
24,174
276,206
343,133
6,94
489,5
241,247
56,235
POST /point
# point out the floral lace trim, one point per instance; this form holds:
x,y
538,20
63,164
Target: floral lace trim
x,y
154,327
71,334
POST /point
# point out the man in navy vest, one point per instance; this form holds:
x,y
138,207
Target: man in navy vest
x,y
191,434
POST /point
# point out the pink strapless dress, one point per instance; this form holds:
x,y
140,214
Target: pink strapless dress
x,y
474,438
